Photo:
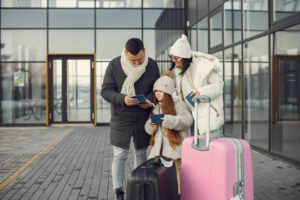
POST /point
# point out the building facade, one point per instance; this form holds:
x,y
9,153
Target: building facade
x,y
258,42
54,54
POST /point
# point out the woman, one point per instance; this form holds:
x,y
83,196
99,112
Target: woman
x,y
200,74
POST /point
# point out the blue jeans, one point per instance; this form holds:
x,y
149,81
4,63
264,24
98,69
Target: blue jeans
x,y
118,163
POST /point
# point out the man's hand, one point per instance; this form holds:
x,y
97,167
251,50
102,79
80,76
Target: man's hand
x,y
145,105
131,101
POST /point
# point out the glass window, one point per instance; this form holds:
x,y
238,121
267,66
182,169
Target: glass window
x,y
255,17
228,84
232,22
23,93
286,110
23,4
202,8
194,37
18,18
216,29
23,45
168,19
149,43
111,18
118,3
256,87
164,39
71,41
163,19
71,18
71,3
158,42
203,35
237,92
283,9
219,55
151,17
103,107
163,4
110,43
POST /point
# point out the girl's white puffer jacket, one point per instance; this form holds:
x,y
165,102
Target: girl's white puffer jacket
x,y
204,75
181,122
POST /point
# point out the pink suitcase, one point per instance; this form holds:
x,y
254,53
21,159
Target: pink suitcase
x,y
216,169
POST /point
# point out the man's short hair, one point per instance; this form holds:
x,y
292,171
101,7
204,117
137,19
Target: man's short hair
x,y
134,45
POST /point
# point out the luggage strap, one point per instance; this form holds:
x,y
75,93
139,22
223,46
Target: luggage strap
x,y
239,186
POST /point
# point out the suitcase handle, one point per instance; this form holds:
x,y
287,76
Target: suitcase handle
x,y
197,143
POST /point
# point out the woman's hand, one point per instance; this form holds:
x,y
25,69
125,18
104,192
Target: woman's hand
x,y
194,94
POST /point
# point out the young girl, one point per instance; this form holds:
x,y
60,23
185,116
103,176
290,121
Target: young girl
x,y
168,135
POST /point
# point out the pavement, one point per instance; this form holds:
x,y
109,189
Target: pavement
x,y
74,163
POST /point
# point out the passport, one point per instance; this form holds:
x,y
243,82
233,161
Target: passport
x,y
141,98
189,98
156,118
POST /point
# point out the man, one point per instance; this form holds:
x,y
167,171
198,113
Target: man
x,y
130,74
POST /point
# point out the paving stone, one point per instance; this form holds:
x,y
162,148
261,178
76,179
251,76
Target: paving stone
x,y
79,167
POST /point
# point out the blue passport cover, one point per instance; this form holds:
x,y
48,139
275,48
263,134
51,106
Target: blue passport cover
x,y
156,118
190,99
141,98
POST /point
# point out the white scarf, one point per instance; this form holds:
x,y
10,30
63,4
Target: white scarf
x,y
133,72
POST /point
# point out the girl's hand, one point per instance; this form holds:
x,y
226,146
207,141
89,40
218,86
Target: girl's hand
x,y
153,124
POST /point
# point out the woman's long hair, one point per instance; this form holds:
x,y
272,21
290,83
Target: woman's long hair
x,y
168,107
186,62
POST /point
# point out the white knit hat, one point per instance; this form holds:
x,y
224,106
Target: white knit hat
x,y
164,84
181,48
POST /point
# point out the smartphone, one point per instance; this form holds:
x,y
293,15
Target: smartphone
x,y
156,118
141,98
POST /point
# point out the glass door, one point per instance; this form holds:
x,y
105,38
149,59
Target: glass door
x,y
71,89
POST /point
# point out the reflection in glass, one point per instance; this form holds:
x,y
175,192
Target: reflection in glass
x,y
164,39
228,79
23,93
286,113
71,41
18,18
163,19
233,92
71,18
256,87
110,43
194,37
151,17
203,35
71,3
163,4
78,90
283,9
57,91
23,45
232,22
216,29
219,55
255,17
22,3
149,43
118,3
131,18
103,107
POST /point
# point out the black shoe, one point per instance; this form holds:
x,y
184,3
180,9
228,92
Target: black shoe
x,y
119,194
